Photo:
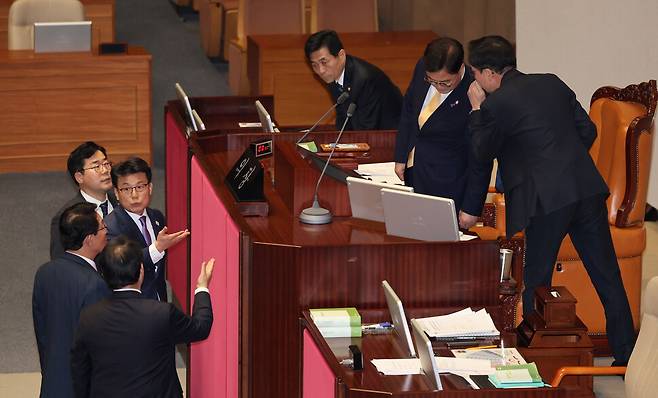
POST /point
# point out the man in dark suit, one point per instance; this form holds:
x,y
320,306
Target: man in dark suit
x,y
90,170
378,100
124,346
541,136
62,288
432,149
137,221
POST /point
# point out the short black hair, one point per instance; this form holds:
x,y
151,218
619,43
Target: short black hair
x,y
491,52
120,261
323,38
130,166
77,157
444,53
76,223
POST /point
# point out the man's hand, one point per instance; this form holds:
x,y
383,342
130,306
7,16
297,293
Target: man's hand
x,y
476,95
166,240
399,170
206,273
466,220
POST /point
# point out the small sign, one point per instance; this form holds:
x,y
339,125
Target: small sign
x,y
245,179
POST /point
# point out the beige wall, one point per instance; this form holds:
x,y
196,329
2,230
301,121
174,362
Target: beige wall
x,y
589,44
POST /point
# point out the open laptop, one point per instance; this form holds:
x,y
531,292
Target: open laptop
x,y
185,100
265,118
417,216
426,355
52,37
398,318
198,121
366,198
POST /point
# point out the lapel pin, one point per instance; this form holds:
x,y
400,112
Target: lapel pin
x,y
453,105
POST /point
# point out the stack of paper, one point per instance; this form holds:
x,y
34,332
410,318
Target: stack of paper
x,y
516,376
397,367
461,324
496,356
337,322
380,172
411,366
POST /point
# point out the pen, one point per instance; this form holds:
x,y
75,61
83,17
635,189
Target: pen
x,y
382,325
482,347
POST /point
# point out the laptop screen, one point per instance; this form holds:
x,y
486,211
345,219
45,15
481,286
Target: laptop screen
x,y
398,317
426,355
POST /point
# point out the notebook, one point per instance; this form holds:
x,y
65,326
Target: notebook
x,y
398,317
62,36
366,197
417,216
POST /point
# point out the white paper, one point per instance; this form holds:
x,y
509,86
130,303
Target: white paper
x,y
513,376
249,124
494,355
397,367
380,172
464,323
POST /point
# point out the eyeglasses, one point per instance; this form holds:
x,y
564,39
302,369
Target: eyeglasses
x,y
442,83
99,168
129,190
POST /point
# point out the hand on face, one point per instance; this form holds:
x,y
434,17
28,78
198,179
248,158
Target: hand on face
x,y
476,95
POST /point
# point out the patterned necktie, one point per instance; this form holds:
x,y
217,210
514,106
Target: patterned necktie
x,y
104,208
145,231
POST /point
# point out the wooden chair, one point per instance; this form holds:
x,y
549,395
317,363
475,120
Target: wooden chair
x,y
640,380
218,24
344,15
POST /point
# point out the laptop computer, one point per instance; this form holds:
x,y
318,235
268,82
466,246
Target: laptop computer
x,y
426,355
366,198
265,118
417,216
185,101
398,318
62,36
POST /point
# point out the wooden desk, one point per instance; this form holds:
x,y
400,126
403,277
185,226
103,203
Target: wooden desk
x,y
99,12
277,66
53,102
269,269
324,377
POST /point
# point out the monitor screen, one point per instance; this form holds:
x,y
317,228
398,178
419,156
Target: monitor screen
x,y
398,317
265,119
189,117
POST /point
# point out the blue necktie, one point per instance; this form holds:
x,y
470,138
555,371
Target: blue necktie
x,y
104,208
145,231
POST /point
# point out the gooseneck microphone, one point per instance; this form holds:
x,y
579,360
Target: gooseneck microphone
x,y
316,214
341,98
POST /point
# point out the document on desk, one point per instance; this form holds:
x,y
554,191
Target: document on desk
x,y
495,356
380,172
398,367
411,366
464,324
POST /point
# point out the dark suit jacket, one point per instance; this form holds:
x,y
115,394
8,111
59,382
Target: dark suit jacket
x,y
444,164
124,346
119,223
56,248
541,136
62,288
378,101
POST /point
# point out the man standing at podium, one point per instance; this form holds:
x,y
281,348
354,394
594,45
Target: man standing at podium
x,y
432,148
535,127
378,100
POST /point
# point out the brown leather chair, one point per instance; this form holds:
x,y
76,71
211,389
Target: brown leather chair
x,y
622,153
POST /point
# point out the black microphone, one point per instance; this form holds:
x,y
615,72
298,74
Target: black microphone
x,y
316,214
341,98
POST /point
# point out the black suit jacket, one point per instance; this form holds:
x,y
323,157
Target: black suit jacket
x,y
56,248
62,288
378,101
124,346
541,136
119,223
444,164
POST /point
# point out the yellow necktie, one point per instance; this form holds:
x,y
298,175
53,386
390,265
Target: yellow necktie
x,y
425,114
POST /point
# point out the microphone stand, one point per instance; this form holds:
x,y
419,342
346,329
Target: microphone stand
x,y
341,98
316,214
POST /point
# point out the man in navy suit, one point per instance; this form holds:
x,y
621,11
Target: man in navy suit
x,y
90,170
137,221
432,149
62,288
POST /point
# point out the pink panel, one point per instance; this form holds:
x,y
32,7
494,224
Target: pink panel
x,y
214,362
318,379
176,202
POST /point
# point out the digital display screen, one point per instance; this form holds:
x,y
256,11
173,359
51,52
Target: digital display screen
x,y
262,148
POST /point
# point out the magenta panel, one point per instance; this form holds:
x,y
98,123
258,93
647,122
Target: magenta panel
x,y
214,362
318,379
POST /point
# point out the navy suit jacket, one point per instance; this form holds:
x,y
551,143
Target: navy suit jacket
x,y
378,101
541,136
62,288
125,345
119,223
56,248
444,164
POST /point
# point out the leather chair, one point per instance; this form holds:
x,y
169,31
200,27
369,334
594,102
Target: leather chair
x,y
622,153
24,13
640,380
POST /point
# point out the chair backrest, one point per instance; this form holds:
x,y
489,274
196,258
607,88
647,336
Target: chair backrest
x,y
641,381
344,15
622,150
269,17
24,13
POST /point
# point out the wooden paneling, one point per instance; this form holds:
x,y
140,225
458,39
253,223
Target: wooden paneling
x,y
52,102
99,12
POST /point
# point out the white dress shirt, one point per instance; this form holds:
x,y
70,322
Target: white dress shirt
x,y
153,251
97,202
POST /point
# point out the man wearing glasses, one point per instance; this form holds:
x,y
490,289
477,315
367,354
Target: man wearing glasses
x,y
90,170
432,151
62,288
138,222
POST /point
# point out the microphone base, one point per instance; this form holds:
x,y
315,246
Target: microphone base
x,y
315,215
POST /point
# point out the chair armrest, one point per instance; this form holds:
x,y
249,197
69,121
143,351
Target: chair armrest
x,y
586,371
